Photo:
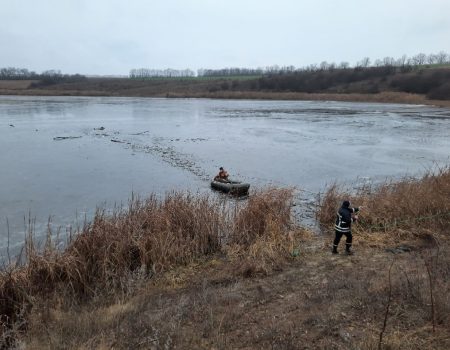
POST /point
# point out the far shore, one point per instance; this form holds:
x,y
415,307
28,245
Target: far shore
x,y
21,88
383,97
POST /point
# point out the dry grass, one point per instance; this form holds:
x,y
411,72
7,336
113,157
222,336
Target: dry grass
x,y
382,97
17,85
414,301
148,237
405,209
264,212
198,299
259,243
151,235
318,301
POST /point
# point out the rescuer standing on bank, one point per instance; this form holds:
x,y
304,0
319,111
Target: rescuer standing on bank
x,y
343,226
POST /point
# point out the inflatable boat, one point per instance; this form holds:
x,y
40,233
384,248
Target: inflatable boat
x,y
232,187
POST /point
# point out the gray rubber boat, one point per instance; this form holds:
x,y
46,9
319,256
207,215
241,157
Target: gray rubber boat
x,y
233,187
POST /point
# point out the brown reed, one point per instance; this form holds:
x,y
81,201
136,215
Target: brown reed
x,y
148,236
263,210
410,206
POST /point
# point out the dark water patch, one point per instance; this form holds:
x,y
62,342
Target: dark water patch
x,y
61,138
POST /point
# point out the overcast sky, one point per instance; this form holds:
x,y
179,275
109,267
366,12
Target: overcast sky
x,y
114,36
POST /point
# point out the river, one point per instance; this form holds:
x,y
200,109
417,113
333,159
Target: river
x,y
61,157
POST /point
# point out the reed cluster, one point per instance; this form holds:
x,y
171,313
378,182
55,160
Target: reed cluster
x,y
262,235
408,207
148,236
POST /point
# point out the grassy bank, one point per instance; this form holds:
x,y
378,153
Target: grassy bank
x,y
396,210
372,84
195,272
409,220
148,238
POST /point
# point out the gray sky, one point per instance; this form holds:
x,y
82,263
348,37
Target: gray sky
x,y
113,36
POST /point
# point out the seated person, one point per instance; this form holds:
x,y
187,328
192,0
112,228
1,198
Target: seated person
x,y
222,176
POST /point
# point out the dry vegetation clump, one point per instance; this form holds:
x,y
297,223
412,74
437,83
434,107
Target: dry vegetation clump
x,y
149,236
266,209
408,208
15,304
259,243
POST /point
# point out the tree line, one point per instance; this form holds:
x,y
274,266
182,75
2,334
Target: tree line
x,y
11,73
405,74
143,73
403,63
46,77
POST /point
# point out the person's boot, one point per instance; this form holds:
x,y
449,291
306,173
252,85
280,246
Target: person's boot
x,y
334,250
348,250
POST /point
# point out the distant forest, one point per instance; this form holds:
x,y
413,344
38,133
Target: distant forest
x,y
403,63
422,74
435,83
43,79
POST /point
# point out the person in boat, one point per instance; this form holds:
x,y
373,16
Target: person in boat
x,y
343,226
222,176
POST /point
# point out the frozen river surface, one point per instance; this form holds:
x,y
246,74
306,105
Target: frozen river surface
x,y
117,146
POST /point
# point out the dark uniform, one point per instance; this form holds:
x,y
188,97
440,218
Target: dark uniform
x,y
343,226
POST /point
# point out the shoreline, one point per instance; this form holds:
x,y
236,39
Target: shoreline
x,y
382,97
144,260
